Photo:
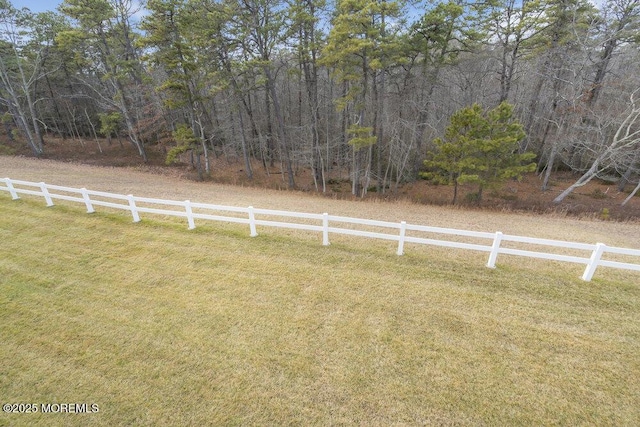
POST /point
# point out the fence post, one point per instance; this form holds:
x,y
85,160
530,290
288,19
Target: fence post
x,y
14,194
252,222
325,229
187,207
45,193
87,200
134,209
494,250
593,262
403,231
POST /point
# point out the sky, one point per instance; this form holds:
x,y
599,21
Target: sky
x,y
36,5
45,5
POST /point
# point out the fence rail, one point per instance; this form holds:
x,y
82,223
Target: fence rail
x,y
326,224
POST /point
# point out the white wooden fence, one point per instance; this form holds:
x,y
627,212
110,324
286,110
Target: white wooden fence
x,y
325,223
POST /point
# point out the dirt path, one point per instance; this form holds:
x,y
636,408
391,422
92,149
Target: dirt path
x,y
142,183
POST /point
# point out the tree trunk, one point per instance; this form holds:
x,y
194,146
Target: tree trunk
x,y
59,120
423,117
601,72
550,161
16,110
379,130
357,162
131,130
633,193
93,130
245,153
455,191
584,179
281,127
18,115
624,180
308,63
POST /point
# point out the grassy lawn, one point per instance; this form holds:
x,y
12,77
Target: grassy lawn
x,y
159,325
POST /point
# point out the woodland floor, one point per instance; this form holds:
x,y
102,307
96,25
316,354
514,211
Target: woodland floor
x,y
598,199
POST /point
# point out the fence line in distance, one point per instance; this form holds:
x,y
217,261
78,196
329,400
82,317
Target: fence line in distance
x,y
136,205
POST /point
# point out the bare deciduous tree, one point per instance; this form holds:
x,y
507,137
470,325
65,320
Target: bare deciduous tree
x,y
625,139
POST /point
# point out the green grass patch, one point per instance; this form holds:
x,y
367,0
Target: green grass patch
x,y
159,325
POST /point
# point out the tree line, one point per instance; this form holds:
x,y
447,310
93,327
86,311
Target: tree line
x,y
368,86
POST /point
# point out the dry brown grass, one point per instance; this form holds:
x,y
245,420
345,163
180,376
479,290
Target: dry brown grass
x,y
524,195
163,326
139,182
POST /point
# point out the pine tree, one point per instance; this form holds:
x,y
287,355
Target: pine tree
x,y
479,147
104,38
357,50
168,31
515,25
260,28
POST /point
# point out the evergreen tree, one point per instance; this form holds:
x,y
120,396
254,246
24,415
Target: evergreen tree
x,y
515,25
104,39
169,32
357,50
260,30
479,147
445,31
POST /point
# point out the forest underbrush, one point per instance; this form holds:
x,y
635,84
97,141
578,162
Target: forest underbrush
x,y
598,199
